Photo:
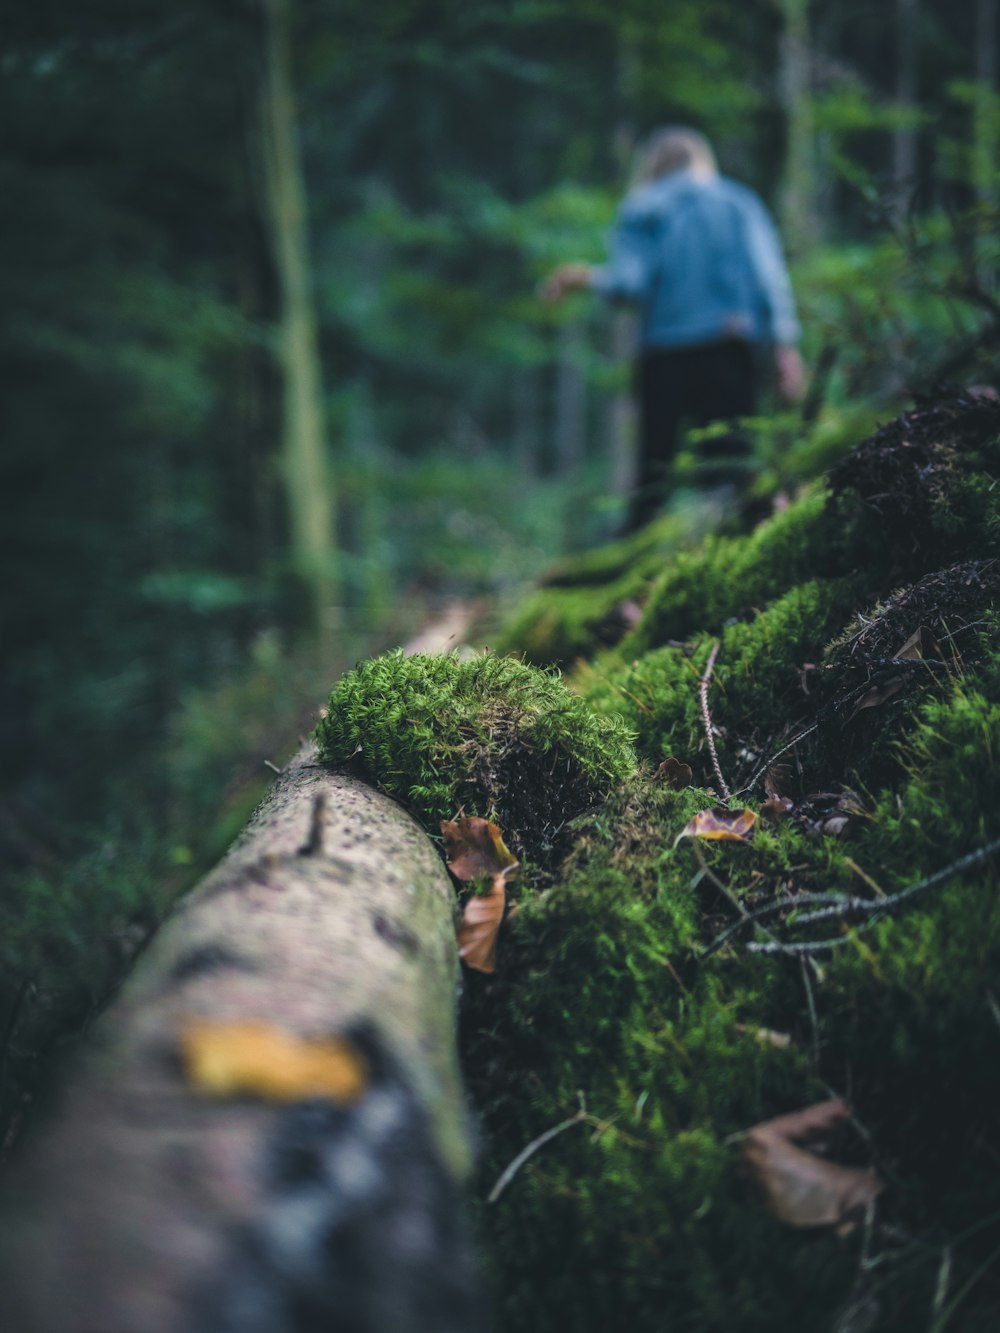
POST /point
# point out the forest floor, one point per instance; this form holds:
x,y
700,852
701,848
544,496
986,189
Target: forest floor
x,y
746,1009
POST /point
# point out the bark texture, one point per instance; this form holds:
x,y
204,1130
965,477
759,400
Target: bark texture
x,y
142,1204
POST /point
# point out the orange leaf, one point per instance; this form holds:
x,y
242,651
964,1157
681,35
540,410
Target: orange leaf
x,y
719,825
480,925
676,775
803,1190
247,1057
475,849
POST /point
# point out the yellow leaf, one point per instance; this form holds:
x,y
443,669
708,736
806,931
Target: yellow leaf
x,y
476,851
719,825
252,1058
475,848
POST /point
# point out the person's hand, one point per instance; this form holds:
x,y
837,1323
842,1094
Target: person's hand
x,y
791,372
563,280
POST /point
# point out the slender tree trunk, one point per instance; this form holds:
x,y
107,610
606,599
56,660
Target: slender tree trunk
x,y
621,405
308,485
904,139
157,1199
986,113
571,400
798,202
526,411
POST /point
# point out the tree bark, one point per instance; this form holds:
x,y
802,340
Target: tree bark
x,y
798,202
308,486
143,1204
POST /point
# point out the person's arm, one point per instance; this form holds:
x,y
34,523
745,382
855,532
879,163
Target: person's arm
x,y
625,277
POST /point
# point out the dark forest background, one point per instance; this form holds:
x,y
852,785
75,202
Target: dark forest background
x,y
276,380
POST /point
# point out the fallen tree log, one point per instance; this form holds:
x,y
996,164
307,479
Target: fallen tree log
x,y
265,1131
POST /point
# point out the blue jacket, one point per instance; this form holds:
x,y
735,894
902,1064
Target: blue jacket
x,y
703,261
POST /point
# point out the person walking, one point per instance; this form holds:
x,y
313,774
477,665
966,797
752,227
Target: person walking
x,y
700,256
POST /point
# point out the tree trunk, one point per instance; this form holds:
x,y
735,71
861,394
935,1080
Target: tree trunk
x,y
308,486
904,139
985,128
798,204
155,1199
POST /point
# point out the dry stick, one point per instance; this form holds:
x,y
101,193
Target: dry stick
x,y
777,755
707,718
846,907
745,916
581,1117
865,908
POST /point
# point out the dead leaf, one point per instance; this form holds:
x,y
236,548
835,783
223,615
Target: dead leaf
x,y
719,825
249,1058
803,1190
480,926
878,694
476,852
475,849
766,1036
777,808
777,779
676,775
919,645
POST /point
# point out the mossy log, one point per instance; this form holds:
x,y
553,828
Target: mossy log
x,y
143,1202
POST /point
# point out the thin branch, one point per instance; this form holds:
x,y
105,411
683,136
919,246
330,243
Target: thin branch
x,y
707,718
865,909
581,1117
777,755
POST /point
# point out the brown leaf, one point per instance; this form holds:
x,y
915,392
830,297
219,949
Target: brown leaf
x,y
878,694
676,775
719,825
777,808
475,849
244,1057
803,1190
919,645
480,925
777,779
766,1036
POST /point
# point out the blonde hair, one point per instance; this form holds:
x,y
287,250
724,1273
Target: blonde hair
x,y
675,148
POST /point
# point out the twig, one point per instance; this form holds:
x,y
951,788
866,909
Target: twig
x,y
777,755
864,908
846,908
273,767
707,718
314,843
581,1117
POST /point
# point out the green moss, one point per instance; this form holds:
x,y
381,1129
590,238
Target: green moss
x,y
495,736
640,1216
757,686
590,601
729,576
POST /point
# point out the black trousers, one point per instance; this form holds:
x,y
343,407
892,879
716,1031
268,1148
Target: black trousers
x,y
716,382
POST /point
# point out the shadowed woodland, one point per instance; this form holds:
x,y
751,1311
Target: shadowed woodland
x,y
280,392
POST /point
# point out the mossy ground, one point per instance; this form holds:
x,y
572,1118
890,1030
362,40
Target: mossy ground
x,y
610,995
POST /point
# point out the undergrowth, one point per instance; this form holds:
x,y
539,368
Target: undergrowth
x,y
853,701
